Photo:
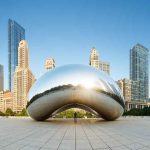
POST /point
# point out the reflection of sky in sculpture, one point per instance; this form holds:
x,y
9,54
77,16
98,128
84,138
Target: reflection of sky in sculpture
x,y
85,76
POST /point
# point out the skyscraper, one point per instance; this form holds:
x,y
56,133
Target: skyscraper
x,y
23,78
1,78
98,64
139,72
16,33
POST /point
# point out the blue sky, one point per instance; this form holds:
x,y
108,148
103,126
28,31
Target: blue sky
x,y
67,29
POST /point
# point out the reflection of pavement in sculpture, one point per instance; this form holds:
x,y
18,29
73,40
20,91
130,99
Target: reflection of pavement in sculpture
x,y
75,86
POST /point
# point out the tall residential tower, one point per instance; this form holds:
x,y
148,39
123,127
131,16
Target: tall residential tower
x,y
16,33
139,73
23,78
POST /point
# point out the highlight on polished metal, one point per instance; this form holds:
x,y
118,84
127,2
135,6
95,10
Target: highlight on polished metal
x,y
75,86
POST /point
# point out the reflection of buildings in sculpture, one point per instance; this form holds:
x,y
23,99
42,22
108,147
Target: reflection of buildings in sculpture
x,y
23,78
75,86
96,63
125,86
139,72
120,84
1,78
49,63
6,100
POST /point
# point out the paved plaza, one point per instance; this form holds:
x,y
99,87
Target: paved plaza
x,y
128,133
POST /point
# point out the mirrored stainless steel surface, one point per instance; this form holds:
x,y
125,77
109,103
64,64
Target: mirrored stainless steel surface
x,y
75,86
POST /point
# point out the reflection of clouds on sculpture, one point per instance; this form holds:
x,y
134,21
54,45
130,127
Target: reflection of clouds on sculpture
x,y
100,88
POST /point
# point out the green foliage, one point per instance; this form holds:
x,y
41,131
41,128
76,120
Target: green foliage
x,y
22,113
89,115
2,114
138,112
9,112
70,114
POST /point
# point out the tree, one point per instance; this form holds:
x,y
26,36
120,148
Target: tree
x,y
138,112
9,112
2,114
23,112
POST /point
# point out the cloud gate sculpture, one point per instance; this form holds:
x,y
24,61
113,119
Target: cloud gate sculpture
x,y
75,86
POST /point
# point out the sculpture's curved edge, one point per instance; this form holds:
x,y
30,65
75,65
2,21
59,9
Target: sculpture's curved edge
x,y
103,104
64,87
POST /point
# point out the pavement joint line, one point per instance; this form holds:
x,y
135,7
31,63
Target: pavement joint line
x,y
99,137
23,139
57,130
26,134
27,145
119,142
75,136
87,137
116,140
18,140
34,131
62,137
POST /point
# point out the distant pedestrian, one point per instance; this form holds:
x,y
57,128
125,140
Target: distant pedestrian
x,y
75,117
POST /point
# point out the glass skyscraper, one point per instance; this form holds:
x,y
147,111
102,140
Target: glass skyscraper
x,y
1,78
16,33
139,73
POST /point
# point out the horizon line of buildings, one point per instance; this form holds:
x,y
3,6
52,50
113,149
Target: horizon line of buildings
x,y
135,90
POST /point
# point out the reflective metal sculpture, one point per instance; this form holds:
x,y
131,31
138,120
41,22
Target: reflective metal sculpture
x,y
75,86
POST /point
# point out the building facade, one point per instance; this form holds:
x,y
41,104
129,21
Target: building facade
x,y
105,66
139,72
1,78
6,100
49,64
16,33
94,58
23,78
125,86
96,63
136,104
134,91
2,101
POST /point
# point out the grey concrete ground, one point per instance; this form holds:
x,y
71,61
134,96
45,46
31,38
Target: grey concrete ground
x,y
87,134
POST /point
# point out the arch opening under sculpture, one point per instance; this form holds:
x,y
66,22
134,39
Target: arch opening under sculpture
x,y
79,106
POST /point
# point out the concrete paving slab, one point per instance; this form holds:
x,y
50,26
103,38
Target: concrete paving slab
x,y
126,133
